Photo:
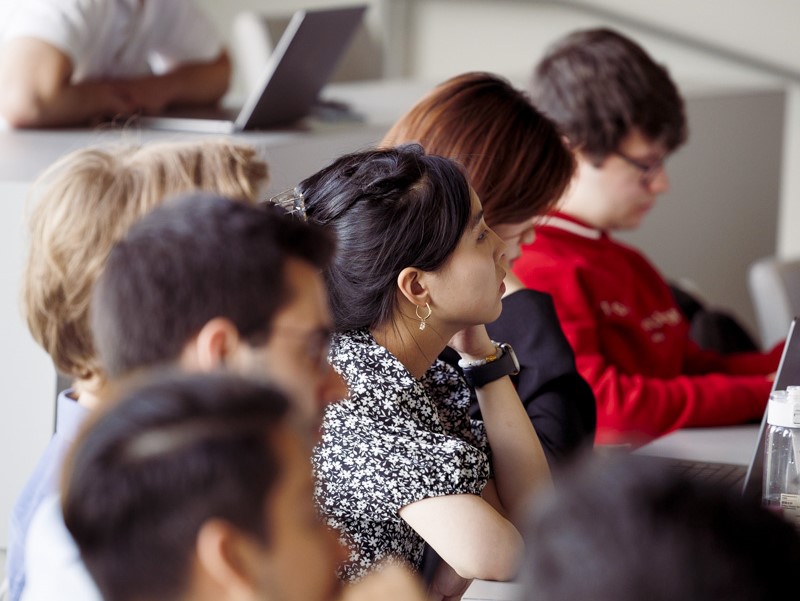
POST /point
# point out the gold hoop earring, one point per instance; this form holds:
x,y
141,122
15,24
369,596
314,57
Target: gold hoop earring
x,y
422,319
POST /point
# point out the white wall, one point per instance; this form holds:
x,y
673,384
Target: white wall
x,y
26,418
789,215
446,37
766,30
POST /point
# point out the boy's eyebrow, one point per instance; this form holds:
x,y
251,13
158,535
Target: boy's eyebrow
x,y
476,220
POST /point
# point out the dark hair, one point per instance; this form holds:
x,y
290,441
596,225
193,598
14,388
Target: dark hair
x,y
632,529
148,473
514,156
389,209
190,260
598,85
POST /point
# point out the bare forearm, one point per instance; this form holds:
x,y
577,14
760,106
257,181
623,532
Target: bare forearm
x,y
35,79
82,103
468,534
196,83
69,105
517,458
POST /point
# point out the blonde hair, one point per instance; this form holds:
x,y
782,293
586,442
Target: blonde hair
x,y
86,202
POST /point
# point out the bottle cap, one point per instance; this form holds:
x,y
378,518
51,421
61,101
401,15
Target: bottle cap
x,y
784,408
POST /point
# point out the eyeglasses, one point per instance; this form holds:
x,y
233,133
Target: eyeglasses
x,y
648,170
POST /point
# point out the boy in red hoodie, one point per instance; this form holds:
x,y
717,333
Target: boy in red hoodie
x,y
623,116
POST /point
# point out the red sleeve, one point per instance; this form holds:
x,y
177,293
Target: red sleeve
x,y
633,407
699,361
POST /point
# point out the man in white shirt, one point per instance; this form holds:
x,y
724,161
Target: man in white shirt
x,y
69,62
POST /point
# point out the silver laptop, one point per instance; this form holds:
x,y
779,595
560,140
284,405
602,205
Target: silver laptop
x,y
695,445
301,64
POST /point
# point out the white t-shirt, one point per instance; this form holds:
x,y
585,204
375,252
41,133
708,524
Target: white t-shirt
x,y
118,38
53,565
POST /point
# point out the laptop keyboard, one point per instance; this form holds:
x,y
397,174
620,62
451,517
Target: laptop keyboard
x,y
718,473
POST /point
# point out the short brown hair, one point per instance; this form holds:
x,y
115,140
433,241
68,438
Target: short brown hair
x,y
514,156
598,85
85,203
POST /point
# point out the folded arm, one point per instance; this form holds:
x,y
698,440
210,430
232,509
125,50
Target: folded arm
x,y
189,83
638,406
469,534
35,77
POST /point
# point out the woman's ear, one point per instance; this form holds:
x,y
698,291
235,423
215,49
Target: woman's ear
x,y
412,284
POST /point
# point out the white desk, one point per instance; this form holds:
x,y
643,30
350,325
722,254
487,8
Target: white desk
x,y
733,444
484,590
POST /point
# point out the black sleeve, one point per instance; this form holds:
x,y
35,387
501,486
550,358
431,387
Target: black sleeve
x,y
558,400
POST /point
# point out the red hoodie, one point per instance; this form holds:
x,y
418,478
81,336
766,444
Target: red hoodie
x,y
631,341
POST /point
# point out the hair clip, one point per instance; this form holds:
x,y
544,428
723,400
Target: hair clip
x,y
291,201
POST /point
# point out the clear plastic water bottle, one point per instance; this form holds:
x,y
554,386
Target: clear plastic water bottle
x,y
782,454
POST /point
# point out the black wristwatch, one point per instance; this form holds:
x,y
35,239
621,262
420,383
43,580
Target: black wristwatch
x,y
503,363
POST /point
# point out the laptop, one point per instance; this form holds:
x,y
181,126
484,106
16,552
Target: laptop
x,y
301,64
700,442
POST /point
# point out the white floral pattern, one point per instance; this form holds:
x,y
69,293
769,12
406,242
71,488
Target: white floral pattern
x,y
394,441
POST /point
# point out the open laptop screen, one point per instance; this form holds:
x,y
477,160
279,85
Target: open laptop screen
x,y
299,67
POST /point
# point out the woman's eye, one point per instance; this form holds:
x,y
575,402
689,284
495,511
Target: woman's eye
x,y
483,235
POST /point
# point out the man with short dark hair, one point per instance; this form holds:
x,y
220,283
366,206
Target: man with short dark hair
x,y
202,283
73,62
623,116
199,487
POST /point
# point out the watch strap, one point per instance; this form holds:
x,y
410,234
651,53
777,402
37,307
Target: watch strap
x,y
506,364
498,351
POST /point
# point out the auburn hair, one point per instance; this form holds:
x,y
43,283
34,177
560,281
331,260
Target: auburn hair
x,y
514,156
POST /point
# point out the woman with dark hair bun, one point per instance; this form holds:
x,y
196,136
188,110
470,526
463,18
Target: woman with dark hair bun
x,y
400,462
517,162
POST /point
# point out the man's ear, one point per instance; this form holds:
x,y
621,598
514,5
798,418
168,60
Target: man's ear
x,y
215,343
412,284
225,560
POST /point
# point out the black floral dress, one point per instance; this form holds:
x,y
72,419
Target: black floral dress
x,y
394,441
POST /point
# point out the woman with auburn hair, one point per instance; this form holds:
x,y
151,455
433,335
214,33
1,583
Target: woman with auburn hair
x,y
518,164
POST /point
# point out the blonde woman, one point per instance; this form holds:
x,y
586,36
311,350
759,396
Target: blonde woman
x,y
82,205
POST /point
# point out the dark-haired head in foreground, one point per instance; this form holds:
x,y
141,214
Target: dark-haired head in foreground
x,y
390,210
203,282
198,487
400,461
629,529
